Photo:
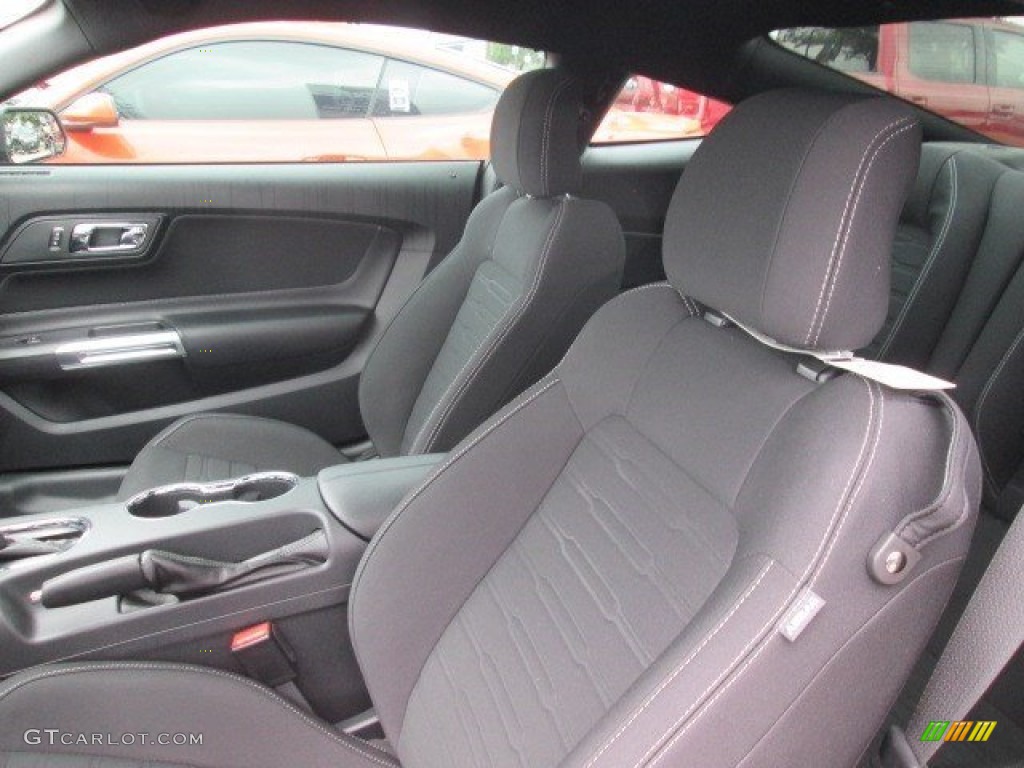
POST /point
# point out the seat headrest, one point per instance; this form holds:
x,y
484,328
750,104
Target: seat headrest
x,y
535,146
785,216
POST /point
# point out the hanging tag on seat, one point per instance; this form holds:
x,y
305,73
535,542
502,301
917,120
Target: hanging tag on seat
x,y
892,376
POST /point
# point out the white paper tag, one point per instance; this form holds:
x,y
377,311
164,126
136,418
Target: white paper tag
x,y
892,376
398,95
800,615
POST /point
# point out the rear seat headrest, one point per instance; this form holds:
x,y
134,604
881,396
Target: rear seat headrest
x,y
785,216
535,145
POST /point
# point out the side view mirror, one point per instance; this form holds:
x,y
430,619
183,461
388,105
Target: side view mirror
x,y
29,135
93,110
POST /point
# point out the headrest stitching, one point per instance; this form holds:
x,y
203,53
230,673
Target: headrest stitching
x,y
546,137
910,125
858,182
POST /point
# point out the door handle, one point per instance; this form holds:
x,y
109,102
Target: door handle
x,y
119,350
1004,110
108,236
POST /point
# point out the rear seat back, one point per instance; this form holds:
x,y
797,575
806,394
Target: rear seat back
x,y
957,311
939,233
957,298
999,257
981,348
990,383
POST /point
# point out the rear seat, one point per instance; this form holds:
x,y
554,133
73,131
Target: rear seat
x,y
957,311
958,293
939,233
990,383
999,257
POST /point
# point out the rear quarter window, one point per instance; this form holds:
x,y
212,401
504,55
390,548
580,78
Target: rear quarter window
x,y
970,71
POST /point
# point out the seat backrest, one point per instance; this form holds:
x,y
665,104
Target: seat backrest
x,y
990,380
676,549
499,311
936,240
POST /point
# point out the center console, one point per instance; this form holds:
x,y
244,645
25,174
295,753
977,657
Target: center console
x,y
174,572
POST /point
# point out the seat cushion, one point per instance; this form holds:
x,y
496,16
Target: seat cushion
x,y
122,701
218,446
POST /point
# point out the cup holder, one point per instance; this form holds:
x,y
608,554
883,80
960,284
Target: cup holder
x,y
174,499
19,541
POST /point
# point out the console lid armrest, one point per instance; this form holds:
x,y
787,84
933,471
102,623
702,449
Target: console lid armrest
x,y
362,494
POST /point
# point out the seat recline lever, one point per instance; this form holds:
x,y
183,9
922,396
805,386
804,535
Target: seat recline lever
x,y
183,576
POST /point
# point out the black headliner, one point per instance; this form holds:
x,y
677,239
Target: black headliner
x,y
652,35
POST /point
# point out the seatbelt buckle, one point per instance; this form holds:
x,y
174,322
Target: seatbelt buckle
x,y
895,751
264,654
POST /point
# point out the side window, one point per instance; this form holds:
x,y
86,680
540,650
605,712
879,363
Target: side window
x,y
408,89
942,52
1006,50
649,110
260,80
848,49
283,92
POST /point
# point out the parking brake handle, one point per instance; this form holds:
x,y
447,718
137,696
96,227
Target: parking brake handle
x,y
169,573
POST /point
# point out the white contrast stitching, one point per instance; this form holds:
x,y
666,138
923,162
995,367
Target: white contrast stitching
x,y
675,673
947,488
718,694
524,400
174,427
990,476
647,287
846,500
546,136
494,338
858,183
357,747
842,224
940,241
863,476
960,518
832,536
849,228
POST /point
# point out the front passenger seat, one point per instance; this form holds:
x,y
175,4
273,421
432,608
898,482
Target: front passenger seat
x,y
683,547
493,317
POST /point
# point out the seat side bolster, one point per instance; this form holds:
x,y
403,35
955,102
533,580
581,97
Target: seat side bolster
x,y
399,364
853,470
579,269
430,554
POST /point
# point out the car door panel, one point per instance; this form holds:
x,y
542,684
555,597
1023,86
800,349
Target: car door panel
x,y
219,141
274,281
251,253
